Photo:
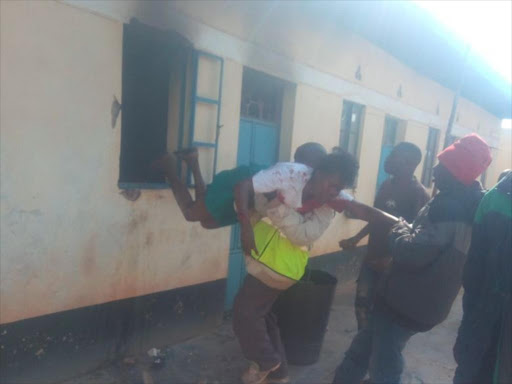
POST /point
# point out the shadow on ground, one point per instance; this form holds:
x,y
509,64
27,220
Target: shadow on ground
x,y
215,358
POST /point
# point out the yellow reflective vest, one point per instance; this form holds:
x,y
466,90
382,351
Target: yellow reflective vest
x,y
278,253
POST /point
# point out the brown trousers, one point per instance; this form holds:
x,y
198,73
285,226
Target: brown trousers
x,y
256,326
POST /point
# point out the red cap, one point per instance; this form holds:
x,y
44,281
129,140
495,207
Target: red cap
x,y
467,158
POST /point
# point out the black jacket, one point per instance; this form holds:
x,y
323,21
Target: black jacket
x,y
428,259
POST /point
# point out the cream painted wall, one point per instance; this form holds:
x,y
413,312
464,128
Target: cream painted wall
x,y
60,206
291,40
293,30
502,158
371,140
317,117
68,238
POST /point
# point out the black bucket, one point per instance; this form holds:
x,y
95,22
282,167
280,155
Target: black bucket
x,y
303,313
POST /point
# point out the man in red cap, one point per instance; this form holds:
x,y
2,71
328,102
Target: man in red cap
x,y
419,288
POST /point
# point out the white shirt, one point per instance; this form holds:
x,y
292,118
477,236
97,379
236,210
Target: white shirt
x,y
287,179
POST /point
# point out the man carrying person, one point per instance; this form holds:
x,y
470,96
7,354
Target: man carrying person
x,y
418,289
279,261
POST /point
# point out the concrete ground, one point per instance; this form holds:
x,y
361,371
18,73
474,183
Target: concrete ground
x,y
215,358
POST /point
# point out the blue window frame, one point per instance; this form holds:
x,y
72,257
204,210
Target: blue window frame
x,y
206,99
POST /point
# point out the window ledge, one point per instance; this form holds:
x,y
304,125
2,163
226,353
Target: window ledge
x,y
128,185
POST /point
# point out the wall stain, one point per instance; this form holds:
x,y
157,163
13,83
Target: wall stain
x,y
136,220
149,239
88,265
185,258
131,194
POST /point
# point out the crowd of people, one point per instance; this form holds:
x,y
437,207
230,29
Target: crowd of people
x,y
420,252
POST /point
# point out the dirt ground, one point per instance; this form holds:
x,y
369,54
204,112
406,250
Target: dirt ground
x,y
215,358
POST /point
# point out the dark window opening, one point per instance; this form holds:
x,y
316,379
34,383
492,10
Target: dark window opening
x,y
430,156
351,123
262,96
154,65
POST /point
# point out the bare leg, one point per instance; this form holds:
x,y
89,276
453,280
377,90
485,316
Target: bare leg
x,y
192,210
190,157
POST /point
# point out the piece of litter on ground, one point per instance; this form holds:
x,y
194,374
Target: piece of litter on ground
x,y
129,360
153,352
40,352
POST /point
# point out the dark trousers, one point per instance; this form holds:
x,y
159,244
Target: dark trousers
x,y
377,349
365,295
256,328
476,348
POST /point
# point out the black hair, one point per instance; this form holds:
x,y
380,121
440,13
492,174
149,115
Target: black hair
x,y
411,150
305,151
342,163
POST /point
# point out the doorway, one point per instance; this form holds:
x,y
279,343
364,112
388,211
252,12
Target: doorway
x,y
394,132
258,143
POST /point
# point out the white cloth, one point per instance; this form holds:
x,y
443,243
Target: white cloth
x,y
300,229
287,179
345,196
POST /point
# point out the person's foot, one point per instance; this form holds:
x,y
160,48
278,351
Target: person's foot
x,y
279,376
277,380
188,155
165,165
254,375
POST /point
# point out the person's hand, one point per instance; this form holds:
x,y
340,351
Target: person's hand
x,y
350,243
247,238
165,164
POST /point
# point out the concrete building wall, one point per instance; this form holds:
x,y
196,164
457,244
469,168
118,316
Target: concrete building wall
x,y
67,233
502,158
69,239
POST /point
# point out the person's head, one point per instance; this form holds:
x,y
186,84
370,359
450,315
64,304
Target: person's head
x,y
335,172
504,174
310,154
443,178
462,162
403,160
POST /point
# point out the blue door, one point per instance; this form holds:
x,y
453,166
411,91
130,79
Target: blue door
x,y
257,144
388,142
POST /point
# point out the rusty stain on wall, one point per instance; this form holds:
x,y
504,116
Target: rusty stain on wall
x,y
131,194
88,264
149,239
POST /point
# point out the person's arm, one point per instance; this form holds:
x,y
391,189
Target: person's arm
x,y
422,200
352,242
298,228
243,193
415,247
370,214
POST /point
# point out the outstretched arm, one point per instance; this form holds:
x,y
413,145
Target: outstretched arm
x,y
370,214
298,228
